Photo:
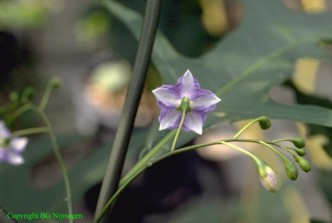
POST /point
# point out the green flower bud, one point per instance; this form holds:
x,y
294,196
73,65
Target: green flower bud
x,y
300,152
14,96
28,94
291,170
264,122
271,181
298,142
55,82
303,163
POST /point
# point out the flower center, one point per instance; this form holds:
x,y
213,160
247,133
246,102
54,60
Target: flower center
x,y
4,142
184,105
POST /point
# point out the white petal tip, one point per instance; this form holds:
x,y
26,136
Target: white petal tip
x,y
15,160
187,73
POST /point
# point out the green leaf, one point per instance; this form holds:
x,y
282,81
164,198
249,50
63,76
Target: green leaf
x,y
18,195
243,67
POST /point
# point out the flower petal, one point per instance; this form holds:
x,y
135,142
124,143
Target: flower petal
x,y
194,122
205,101
271,181
169,119
4,132
18,144
188,84
3,154
15,158
168,95
169,98
12,147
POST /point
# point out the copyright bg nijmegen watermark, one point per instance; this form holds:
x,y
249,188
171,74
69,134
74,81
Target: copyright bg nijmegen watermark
x,y
43,215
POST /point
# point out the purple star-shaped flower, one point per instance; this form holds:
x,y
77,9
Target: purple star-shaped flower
x,y
11,148
169,98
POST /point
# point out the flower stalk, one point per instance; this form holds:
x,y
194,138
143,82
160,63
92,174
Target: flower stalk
x,y
30,131
265,172
263,121
57,152
185,108
268,177
178,130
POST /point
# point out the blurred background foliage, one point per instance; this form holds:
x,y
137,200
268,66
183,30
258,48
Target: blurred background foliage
x,y
22,14
225,190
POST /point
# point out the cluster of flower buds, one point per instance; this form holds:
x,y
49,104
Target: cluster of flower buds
x,y
12,146
268,177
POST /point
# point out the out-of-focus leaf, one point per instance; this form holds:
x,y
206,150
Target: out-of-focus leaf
x,y
18,194
295,205
314,6
313,77
305,74
21,14
214,17
317,153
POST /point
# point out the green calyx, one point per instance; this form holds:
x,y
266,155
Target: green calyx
x,y
185,105
4,142
261,168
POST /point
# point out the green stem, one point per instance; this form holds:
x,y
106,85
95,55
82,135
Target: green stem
x,y
274,150
155,150
24,108
121,141
285,148
55,147
246,127
282,140
111,201
45,98
59,158
178,130
141,167
148,157
241,150
147,162
30,131
48,128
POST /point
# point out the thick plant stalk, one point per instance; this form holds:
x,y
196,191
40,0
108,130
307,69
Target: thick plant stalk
x,y
114,169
